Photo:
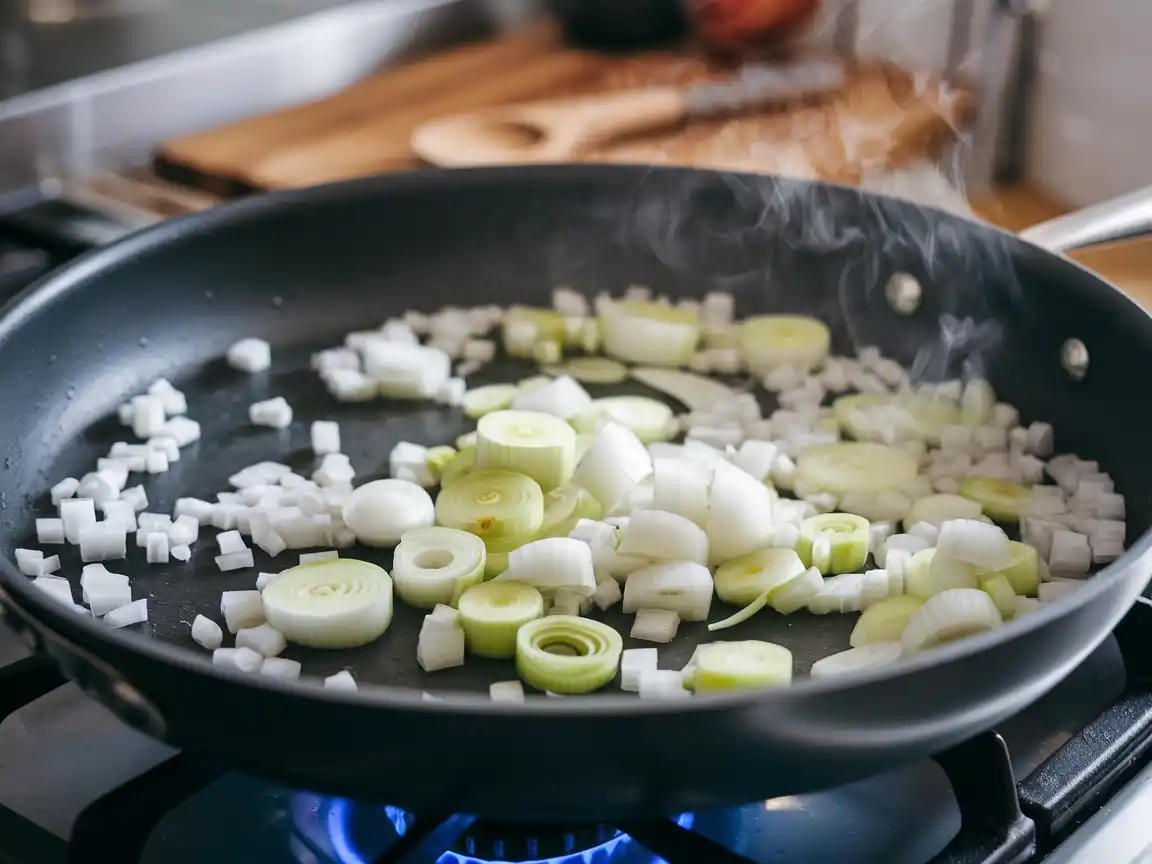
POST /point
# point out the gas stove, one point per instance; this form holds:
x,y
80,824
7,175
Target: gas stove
x,y
1067,781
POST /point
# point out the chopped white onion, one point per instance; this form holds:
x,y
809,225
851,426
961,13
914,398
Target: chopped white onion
x,y
135,612
979,543
281,667
241,609
664,536
553,564
341,681
739,515
240,659
655,625
506,691
614,464
263,638
381,512
250,355
207,633
634,662
681,587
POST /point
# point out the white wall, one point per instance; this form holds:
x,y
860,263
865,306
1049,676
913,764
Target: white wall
x,y
1091,129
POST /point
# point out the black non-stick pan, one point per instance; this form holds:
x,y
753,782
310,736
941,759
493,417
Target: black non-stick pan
x,y
303,268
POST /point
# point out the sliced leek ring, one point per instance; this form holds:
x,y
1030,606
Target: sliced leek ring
x,y
433,566
727,666
768,341
796,594
437,458
334,603
848,535
938,509
696,392
855,467
949,616
485,400
595,370
650,333
878,417
1001,500
1000,590
649,419
491,614
549,326
868,656
929,574
1022,573
567,654
742,580
497,506
464,462
538,445
566,506
885,620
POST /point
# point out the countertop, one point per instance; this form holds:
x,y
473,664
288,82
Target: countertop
x,y
1128,265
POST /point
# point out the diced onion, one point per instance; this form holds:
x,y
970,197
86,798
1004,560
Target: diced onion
x,y
493,612
930,573
650,333
681,587
553,564
614,465
847,534
949,616
383,511
978,543
1022,571
497,506
739,515
546,325
338,603
664,536
538,445
435,565
567,655
867,656
798,593
681,487
562,397
726,666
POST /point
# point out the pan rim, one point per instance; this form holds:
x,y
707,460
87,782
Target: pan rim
x,y
72,277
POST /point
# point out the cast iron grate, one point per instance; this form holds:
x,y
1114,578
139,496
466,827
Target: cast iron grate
x,y
1002,822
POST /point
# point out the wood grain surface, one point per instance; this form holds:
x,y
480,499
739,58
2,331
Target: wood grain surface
x,y
883,117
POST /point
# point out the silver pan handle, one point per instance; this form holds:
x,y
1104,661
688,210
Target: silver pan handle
x,y
1118,219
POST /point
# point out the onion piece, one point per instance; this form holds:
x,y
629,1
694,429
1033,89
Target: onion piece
x,y
999,499
681,487
207,633
499,507
681,587
650,420
929,573
798,593
727,666
854,467
552,564
655,625
506,691
977,543
567,655
768,341
868,656
491,614
561,397
898,417
435,565
739,515
340,603
884,621
486,400
524,326
938,509
596,370
743,580
634,662
1000,590
565,508
1022,571
697,392
847,534
642,332
241,609
664,536
949,616
540,446
383,511
614,465
440,644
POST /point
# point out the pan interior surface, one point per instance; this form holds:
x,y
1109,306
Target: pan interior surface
x,y
303,269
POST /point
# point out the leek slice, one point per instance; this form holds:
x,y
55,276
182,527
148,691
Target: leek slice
x,y
884,620
854,659
438,457
798,593
938,509
768,341
464,462
485,400
433,566
643,332
497,506
877,417
334,603
492,613
596,370
929,573
696,392
726,666
854,467
538,445
567,654
949,616
651,420
1000,590
549,326
999,499
1022,572
743,580
564,508
848,535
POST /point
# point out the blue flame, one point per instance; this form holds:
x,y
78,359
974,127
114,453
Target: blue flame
x,y
338,822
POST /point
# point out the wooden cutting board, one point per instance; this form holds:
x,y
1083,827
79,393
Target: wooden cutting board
x,y
884,117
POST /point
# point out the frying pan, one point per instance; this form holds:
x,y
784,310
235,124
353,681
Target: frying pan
x,y
302,268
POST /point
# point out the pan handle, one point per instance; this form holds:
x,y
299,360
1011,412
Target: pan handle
x,y
1120,218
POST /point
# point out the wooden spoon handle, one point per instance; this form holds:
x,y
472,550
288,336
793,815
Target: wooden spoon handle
x,y
553,131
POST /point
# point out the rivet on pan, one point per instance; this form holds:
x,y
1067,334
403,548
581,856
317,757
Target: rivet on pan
x,y
904,293
1074,357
